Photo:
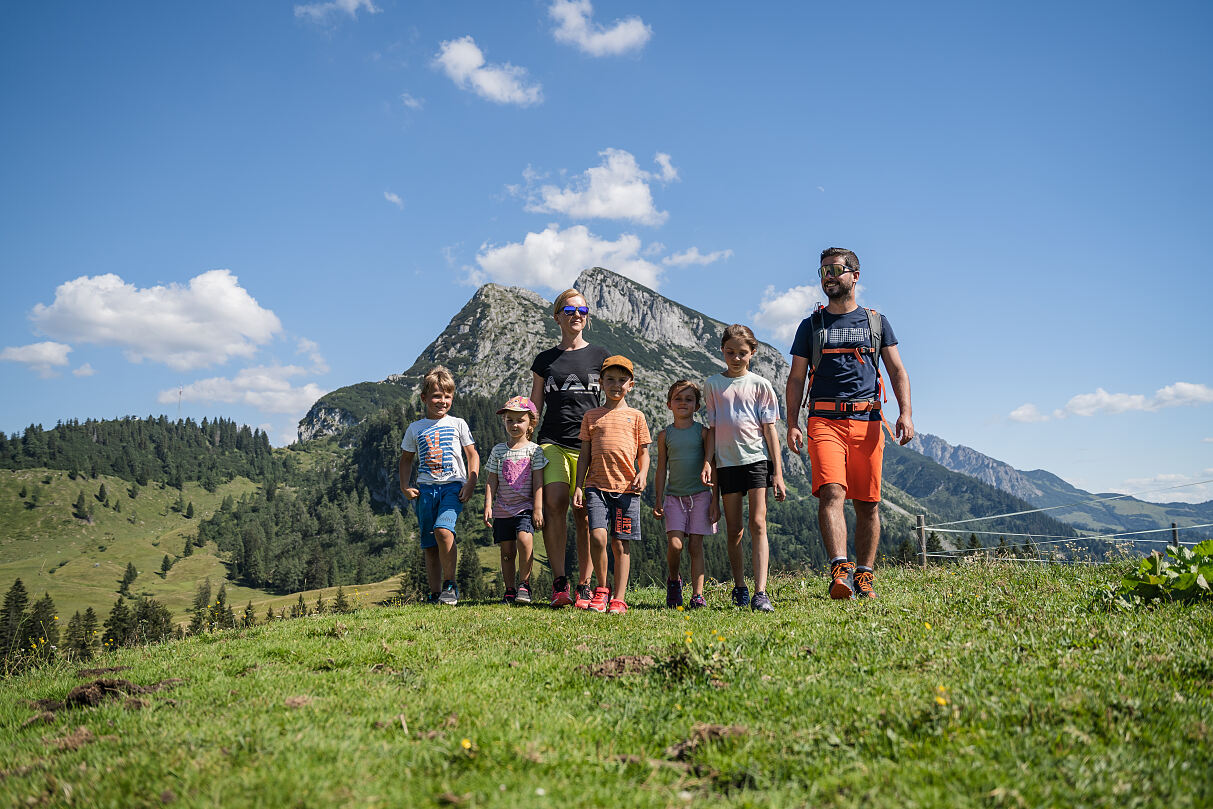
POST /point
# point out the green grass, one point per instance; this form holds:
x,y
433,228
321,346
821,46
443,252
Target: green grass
x,y
81,565
984,685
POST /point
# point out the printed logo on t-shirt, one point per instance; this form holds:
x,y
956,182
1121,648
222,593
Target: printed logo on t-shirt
x,y
848,334
514,472
437,446
573,383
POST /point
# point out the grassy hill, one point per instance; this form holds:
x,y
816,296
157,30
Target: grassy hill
x,y
961,686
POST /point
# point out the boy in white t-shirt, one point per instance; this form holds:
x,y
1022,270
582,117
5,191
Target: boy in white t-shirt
x,y
440,444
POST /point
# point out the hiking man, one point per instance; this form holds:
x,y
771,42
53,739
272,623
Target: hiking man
x,y
846,445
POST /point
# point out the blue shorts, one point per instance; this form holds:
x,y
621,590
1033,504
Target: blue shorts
x,y
617,512
507,529
438,506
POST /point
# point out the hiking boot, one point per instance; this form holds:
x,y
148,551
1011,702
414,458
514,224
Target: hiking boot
x,y
584,596
510,595
560,593
741,596
600,599
449,594
673,592
863,584
618,607
432,598
697,602
524,593
760,602
841,582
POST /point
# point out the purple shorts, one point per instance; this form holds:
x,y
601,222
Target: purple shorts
x,y
688,513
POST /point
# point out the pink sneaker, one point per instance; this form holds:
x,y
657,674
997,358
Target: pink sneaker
x,y
602,596
617,607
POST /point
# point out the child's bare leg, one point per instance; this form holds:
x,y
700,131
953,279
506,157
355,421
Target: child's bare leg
x,y
735,529
598,553
526,555
555,524
698,568
581,523
508,554
758,538
446,552
673,553
433,569
623,566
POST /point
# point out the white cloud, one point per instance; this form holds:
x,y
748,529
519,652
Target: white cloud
x,y
1180,394
266,388
1206,440
576,27
555,257
1028,413
411,101
319,12
84,370
779,313
42,358
616,189
693,256
306,346
394,199
1176,488
464,64
209,321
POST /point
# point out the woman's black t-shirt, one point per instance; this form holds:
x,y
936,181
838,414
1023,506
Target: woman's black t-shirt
x,y
570,388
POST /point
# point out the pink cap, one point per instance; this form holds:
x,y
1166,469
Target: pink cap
x,y
520,404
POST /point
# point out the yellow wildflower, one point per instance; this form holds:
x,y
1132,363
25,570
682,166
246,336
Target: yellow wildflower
x,y
466,744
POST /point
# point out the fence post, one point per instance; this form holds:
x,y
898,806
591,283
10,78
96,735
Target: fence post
x,y
922,537
1174,535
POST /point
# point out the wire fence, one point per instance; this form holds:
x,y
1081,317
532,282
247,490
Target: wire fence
x,y
1012,553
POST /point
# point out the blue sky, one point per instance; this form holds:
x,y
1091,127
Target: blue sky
x,y
255,203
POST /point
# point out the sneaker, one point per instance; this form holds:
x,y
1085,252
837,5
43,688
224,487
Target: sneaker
x,y
510,595
617,607
697,602
560,593
841,583
760,602
601,597
584,596
524,593
741,596
673,592
432,598
449,594
863,584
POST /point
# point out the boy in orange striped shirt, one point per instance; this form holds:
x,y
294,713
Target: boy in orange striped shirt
x,y
612,468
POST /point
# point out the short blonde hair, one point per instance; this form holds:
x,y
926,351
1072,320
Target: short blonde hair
x,y
564,296
438,377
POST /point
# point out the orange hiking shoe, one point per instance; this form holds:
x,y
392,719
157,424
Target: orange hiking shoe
x,y
598,603
841,582
863,584
584,596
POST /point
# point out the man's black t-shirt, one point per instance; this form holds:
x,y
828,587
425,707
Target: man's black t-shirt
x,y
844,376
570,388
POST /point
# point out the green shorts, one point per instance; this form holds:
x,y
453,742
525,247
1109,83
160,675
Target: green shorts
x,y
562,464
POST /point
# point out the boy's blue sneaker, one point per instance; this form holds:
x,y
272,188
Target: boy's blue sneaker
x,y
449,594
741,596
760,603
673,592
697,602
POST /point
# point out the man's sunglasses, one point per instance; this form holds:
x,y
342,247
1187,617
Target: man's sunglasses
x,y
581,310
834,270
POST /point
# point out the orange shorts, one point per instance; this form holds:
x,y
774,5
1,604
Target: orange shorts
x,y
848,452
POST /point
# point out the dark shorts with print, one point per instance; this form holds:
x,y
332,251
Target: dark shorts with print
x,y
617,512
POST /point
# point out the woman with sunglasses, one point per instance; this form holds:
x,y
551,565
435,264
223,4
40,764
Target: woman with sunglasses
x,y
566,381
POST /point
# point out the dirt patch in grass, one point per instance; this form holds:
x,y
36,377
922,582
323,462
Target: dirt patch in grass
x,y
621,665
76,739
298,702
700,734
102,690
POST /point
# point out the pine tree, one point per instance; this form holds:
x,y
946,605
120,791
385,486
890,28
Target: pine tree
x,y
151,621
189,511
974,543
202,603
77,643
188,550
90,630
341,603
13,619
117,629
42,632
166,564
128,578
299,609
80,509
320,607
269,615
133,491
102,494
24,492
250,617
469,577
